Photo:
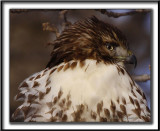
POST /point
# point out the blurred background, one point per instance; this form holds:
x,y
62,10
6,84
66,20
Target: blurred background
x,y
29,53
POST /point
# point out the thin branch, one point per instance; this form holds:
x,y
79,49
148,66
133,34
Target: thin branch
x,y
63,14
116,15
141,78
47,27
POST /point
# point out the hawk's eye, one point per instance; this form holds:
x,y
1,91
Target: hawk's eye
x,y
109,46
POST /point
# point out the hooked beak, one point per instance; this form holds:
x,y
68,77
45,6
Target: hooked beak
x,y
131,60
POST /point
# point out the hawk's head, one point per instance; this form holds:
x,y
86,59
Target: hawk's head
x,y
91,39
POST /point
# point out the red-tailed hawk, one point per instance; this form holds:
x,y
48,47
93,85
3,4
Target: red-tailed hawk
x,y
85,80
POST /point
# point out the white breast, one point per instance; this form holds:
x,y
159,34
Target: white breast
x,y
92,92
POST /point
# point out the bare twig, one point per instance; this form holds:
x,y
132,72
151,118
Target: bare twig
x,y
116,15
47,27
63,14
141,78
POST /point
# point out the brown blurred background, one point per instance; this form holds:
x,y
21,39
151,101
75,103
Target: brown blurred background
x,y
29,54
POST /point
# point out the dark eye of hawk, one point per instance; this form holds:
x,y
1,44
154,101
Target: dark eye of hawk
x,y
111,46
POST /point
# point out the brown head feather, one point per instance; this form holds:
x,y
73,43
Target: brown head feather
x,y
86,39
